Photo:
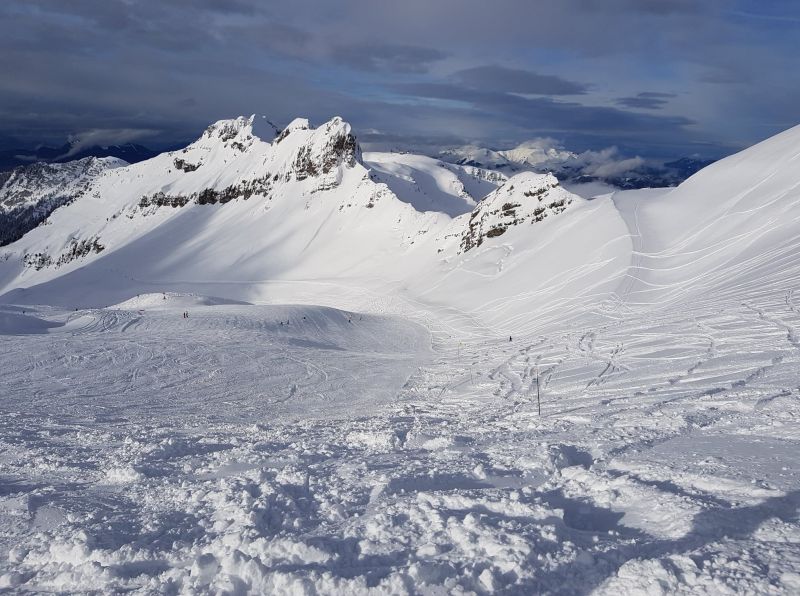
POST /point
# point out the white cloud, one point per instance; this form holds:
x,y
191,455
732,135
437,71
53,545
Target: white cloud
x,y
104,137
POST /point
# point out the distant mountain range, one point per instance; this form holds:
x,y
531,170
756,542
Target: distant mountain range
x,y
541,156
607,166
129,152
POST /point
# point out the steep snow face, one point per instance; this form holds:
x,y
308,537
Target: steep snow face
x,y
298,152
731,226
432,185
296,124
29,194
525,198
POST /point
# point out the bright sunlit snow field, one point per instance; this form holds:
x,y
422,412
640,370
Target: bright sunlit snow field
x,y
390,441
142,450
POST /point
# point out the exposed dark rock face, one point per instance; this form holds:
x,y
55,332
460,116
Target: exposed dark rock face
x,y
209,196
29,194
185,166
76,250
524,198
337,147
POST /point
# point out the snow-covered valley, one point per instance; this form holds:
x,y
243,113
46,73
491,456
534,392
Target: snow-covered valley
x,y
353,403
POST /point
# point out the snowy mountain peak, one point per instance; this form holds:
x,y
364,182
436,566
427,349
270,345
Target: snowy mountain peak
x,y
296,124
326,148
473,155
240,131
525,198
536,152
227,130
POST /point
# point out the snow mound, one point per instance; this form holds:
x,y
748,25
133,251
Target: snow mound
x,y
172,300
16,323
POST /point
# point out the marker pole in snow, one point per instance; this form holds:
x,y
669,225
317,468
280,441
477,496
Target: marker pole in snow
x,y
538,397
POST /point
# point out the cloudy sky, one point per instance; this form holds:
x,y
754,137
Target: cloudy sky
x,y
654,77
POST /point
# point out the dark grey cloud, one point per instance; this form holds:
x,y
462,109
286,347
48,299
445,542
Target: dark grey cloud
x,y
390,58
516,80
548,115
647,100
494,74
657,7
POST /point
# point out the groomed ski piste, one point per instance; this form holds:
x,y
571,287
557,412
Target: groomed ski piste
x,y
604,401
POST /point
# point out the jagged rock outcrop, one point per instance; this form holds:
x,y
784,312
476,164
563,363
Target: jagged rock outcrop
x,y
330,146
238,133
75,250
526,198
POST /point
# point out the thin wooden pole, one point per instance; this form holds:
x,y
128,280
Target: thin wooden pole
x,y
538,398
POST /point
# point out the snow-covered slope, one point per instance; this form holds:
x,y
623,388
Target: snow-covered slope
x,y
729,228
433,185
233,207
267,200
597,397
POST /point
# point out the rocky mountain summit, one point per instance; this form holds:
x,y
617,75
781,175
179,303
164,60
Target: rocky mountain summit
x,y
526,198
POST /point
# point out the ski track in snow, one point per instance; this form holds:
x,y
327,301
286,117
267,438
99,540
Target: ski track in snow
x,y
337,454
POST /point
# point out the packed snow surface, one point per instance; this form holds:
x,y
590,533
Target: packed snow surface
x,y
600,398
